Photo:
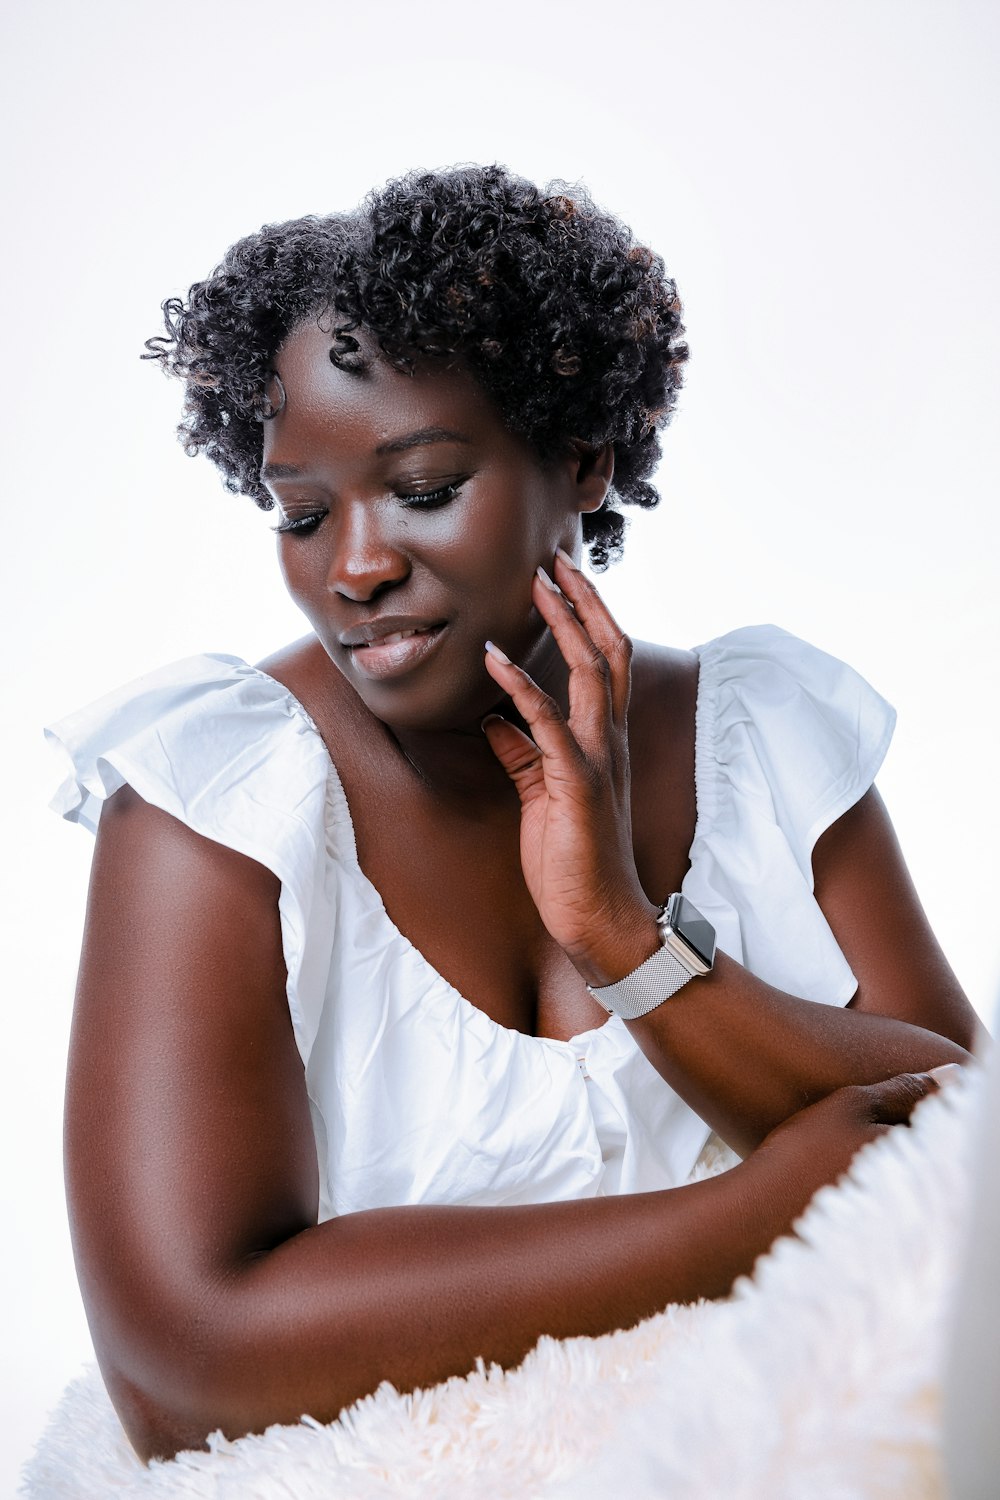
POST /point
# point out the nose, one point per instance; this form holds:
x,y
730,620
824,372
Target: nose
x,y
366,559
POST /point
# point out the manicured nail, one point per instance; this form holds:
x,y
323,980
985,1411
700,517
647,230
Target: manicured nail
x,y
567,559
947,1073
501,656
547,580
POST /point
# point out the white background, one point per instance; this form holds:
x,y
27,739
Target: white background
x,y
820,178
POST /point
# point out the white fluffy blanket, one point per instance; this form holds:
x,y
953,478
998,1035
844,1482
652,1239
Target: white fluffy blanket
x,y
818,1377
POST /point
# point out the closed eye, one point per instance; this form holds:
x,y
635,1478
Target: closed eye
x,y
412,500
299,525
431,499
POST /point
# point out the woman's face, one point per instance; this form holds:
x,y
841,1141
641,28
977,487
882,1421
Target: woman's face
x,y
411,522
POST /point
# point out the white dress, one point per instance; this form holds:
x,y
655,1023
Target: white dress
x,y
416,1095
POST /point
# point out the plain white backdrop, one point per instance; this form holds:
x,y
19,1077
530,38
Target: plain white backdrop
x,y
820,178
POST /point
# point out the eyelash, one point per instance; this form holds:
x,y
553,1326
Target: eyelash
x,y
433,499
428,500
297,525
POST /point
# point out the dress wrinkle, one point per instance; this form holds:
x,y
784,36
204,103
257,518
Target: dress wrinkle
x,y
416,1095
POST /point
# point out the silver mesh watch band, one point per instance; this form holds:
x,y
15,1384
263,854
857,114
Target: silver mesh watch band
x,y
688,949
645,988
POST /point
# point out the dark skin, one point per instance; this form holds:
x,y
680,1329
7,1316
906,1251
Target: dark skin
x,y
215,1298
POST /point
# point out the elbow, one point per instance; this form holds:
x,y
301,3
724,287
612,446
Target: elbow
x,y
156,1425
166,1393
236,1359
179,1373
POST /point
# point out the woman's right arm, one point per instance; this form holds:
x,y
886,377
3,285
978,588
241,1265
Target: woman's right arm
x,y
214,1298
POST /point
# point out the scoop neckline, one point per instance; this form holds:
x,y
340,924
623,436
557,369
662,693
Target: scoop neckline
x,y
476,1012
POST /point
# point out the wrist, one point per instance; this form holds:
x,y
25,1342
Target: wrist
x,y
686,948
629,940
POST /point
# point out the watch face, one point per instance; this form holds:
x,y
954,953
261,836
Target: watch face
x,y
688,922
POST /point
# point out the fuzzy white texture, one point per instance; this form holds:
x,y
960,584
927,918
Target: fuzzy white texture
x,y
819,1376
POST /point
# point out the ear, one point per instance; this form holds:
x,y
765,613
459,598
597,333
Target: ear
x,y
593,469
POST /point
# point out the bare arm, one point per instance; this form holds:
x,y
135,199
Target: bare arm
x,y
743,1054
214,1298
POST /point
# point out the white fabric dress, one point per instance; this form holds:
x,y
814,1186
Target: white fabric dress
x,y
416,1095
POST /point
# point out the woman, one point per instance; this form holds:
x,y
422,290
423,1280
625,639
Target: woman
x,y
300,1161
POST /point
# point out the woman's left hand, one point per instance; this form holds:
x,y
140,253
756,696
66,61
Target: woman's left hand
x,y
573,781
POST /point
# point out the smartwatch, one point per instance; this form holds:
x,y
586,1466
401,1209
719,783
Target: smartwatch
x,y
687,949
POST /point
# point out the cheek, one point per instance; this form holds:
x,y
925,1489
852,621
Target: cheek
x,y
492,571
300,573
286,567
507,534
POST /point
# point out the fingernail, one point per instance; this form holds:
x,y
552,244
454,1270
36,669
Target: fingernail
x,y
491,719
567,559
946,1073
501,656
547,580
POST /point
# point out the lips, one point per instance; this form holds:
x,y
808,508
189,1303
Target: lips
x,y
390,640
383,628
392,645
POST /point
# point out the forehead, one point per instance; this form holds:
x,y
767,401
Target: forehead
x,y
367,406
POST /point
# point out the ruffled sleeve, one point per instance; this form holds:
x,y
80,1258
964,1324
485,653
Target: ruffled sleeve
x,y
228,751
788,738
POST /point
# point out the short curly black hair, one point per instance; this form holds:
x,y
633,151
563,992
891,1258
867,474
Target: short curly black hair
x,y
572,327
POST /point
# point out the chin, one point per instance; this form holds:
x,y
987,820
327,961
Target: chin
x,y
432,708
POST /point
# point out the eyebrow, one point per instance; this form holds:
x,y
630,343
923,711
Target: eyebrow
x,y
420,439
280,471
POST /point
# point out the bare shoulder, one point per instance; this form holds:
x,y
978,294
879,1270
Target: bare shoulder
x,y
661,733
664,691
666,665
136,837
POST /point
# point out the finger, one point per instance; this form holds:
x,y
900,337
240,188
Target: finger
x,y
549,730
519,756
894,1100
590,684
602,628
